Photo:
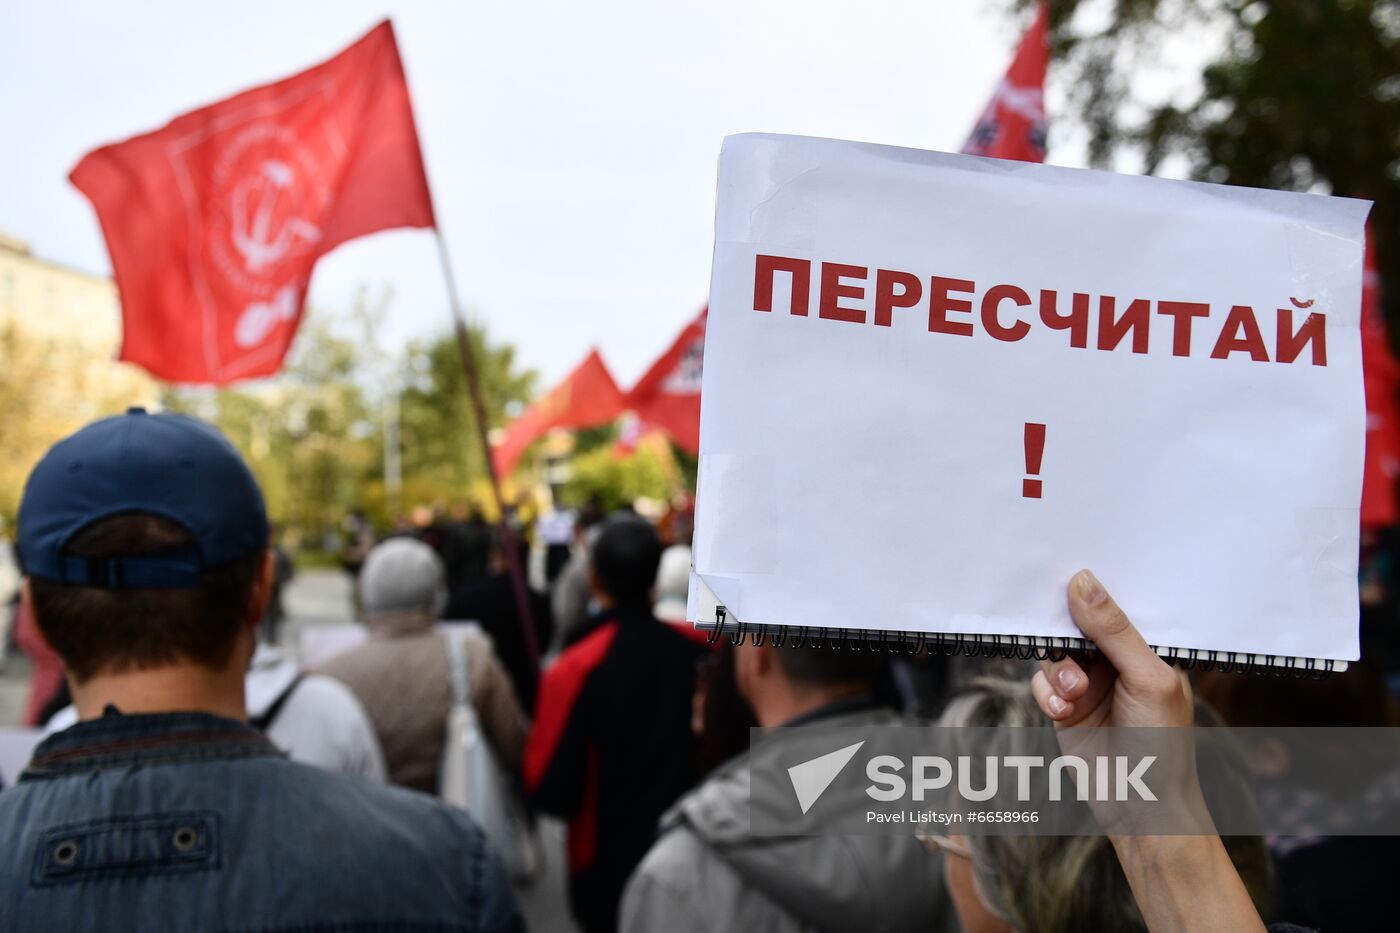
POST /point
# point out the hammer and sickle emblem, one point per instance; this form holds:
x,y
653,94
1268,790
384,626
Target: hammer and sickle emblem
x,y
255,203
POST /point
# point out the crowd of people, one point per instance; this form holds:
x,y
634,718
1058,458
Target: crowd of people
x,y
195,777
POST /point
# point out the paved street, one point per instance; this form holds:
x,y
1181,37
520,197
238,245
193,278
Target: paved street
x,y
312,598
14,681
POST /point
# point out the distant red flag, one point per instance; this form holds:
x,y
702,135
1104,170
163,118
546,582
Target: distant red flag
x,y
1013,125
1379,508
587,398
668,396
215,221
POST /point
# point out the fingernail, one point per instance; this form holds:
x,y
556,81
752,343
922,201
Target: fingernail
x,y
1067,680
1090,589
1057,705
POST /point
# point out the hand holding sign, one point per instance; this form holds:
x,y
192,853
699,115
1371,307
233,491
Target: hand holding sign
x,y
1179,881
1125,684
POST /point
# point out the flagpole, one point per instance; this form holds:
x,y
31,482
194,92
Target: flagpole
x,y
469,368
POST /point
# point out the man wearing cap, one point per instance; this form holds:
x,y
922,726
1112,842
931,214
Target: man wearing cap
x,y
143,539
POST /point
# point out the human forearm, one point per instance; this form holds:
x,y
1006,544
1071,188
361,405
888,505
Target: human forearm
x,y
1186,883
1179,882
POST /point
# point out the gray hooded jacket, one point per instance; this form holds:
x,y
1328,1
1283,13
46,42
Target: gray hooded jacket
x,y
707,873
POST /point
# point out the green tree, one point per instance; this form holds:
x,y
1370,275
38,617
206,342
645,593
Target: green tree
x,y
314,435
442,455
307,435
615,481
1305,96
50,387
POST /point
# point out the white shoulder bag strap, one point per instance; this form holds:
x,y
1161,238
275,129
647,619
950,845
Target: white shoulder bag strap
x,y
472,779
457,665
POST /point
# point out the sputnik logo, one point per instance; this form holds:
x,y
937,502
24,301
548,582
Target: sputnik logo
x,y
811,778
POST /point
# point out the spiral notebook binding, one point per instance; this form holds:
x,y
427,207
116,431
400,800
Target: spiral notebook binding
x,y
1024,647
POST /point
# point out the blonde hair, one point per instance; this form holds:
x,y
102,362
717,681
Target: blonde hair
x,y
1068,884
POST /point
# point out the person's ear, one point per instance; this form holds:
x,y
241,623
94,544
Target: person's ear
x,y
595,586
765,660
26,609
753,666
743,678
262,590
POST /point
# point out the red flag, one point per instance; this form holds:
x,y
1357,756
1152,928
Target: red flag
x,y
587,398
215,221
668,396
1382,380
1013,125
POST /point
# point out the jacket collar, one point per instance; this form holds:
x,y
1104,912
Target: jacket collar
x,y
624,614
718,810
118,740
857,703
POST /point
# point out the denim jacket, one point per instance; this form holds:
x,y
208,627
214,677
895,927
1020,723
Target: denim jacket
x,y
189,821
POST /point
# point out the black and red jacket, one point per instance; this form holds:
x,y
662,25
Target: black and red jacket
x,y
611,748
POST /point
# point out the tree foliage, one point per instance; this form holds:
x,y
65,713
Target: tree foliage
x,y
50,387
441,449
315,435
1305,96
613,479
308,435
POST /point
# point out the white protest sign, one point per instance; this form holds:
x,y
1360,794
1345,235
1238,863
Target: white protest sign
x,y
936,386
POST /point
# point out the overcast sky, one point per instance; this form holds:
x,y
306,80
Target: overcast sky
x,y
571,146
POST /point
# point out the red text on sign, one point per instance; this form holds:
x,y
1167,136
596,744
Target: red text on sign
x,y
1009,313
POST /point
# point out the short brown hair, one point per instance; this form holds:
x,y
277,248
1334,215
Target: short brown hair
x,y
824,666
95,629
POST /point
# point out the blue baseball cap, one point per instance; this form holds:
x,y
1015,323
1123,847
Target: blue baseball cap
x,y
169,465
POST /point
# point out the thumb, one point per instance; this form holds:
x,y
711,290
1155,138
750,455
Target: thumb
x,y
1109,628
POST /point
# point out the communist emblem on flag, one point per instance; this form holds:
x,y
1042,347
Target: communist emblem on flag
x,y
689,371
1013,125
258,228
1025,103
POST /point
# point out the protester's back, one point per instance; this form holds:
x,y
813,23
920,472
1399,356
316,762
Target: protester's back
x,y
466,547
491,602
401,674
144,540
223,832
612,747
709,872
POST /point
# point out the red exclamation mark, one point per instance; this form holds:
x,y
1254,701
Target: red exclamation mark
x,y
1035,449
